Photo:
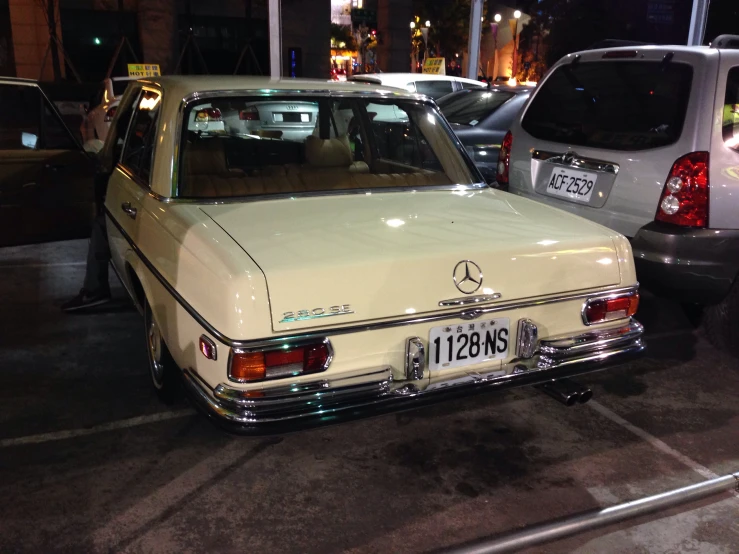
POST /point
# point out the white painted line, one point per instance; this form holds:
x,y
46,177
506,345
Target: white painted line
x,y
654,441
112,426
54,264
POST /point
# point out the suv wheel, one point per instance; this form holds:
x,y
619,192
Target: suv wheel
x,y
721,322
162,367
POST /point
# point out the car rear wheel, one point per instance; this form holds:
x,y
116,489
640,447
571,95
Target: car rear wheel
x,y
721,322
164,373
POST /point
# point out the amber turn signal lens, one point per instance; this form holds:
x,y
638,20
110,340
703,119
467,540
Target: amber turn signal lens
x,y
608,309
248,366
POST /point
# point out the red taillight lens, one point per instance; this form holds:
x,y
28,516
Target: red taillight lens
x,y
110,114
249,114
684,199
504,159
273,364
608,309
208,114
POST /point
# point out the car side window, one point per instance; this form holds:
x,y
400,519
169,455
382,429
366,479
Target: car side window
x,y
56,136
138,152
730,118
434,89
20,121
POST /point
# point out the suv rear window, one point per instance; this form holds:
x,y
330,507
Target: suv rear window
x,y
612,105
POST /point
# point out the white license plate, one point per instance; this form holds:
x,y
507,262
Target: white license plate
x,y
572,184
468,343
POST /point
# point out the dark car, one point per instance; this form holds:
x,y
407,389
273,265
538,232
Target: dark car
x,y
481,119
46,180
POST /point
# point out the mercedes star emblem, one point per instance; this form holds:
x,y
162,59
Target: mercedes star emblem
x,y
467,276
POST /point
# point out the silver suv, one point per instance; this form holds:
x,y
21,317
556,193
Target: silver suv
x,y
645,140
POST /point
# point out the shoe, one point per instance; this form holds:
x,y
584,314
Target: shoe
x,y
86,299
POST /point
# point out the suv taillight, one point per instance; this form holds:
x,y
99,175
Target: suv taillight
x,y
110,114
684,199
504,159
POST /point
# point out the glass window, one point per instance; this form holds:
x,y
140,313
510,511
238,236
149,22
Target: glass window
x,y
119,87
470,108
139,150
471,86
20,121
434,89
612,104
730,119
242,146
55,135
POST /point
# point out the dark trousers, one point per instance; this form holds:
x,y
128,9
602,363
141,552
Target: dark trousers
x,y
98,257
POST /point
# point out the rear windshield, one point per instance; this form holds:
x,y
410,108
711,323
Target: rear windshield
x,y
243,146
470,108
613,105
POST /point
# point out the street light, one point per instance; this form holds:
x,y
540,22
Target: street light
x,y
498,17
413,24
517,14
514,27
428,23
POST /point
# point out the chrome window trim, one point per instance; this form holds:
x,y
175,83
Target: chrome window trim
x,y
420,98
285,346
573,160
469,313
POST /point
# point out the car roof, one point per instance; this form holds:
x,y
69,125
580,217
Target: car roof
x,y
655,48
188,84
405,78
18,81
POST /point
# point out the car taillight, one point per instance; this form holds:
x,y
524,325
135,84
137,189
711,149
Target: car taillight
x,y
599,310
504,159
249,114
208,114
684,199
273,364
110,114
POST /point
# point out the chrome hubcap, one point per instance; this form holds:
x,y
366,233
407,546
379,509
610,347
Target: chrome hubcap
x,y
155,353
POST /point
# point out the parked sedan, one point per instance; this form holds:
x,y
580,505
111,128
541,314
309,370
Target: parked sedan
x,y
301,281
481,118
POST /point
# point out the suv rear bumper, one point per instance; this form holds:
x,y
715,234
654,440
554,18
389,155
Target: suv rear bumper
x,y
691,265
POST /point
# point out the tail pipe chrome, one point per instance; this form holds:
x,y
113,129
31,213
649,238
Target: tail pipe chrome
x,y
567,391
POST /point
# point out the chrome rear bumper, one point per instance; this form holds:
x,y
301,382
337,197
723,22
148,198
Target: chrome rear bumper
x,y
375,391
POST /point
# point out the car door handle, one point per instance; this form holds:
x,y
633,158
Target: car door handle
x,y
130,210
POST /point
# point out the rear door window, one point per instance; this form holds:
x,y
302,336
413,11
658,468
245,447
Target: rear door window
x,y
612,105
434,89
730,119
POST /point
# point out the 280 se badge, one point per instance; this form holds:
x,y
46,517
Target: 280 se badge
x,y
302,315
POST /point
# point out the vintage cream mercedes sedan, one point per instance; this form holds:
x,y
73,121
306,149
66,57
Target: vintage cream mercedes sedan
x,y
297,279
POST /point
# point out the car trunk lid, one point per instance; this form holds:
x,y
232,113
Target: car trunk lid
x,y
393,254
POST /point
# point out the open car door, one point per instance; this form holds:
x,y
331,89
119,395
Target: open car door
x,y
46,179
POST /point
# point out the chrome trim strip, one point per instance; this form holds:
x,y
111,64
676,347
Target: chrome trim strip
x,y
598,339
469,313
571,159
470,300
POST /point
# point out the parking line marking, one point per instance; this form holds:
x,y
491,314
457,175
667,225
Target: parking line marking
x,y
112,426
654,441
53,264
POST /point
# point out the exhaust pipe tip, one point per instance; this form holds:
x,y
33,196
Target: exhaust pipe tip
x,y
585,395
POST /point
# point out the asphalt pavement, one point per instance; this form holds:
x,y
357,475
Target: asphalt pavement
x,y
91,461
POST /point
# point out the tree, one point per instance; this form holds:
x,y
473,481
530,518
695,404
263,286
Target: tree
x,y
450,20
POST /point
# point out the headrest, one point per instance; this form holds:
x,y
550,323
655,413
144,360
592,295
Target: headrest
x,y
334,152
205,157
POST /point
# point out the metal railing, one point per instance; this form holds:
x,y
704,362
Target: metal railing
x,y
586,521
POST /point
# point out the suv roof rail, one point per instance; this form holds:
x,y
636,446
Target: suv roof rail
x,y
615,43
726,41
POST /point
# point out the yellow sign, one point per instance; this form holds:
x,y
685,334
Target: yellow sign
x,y
435,66
144,70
